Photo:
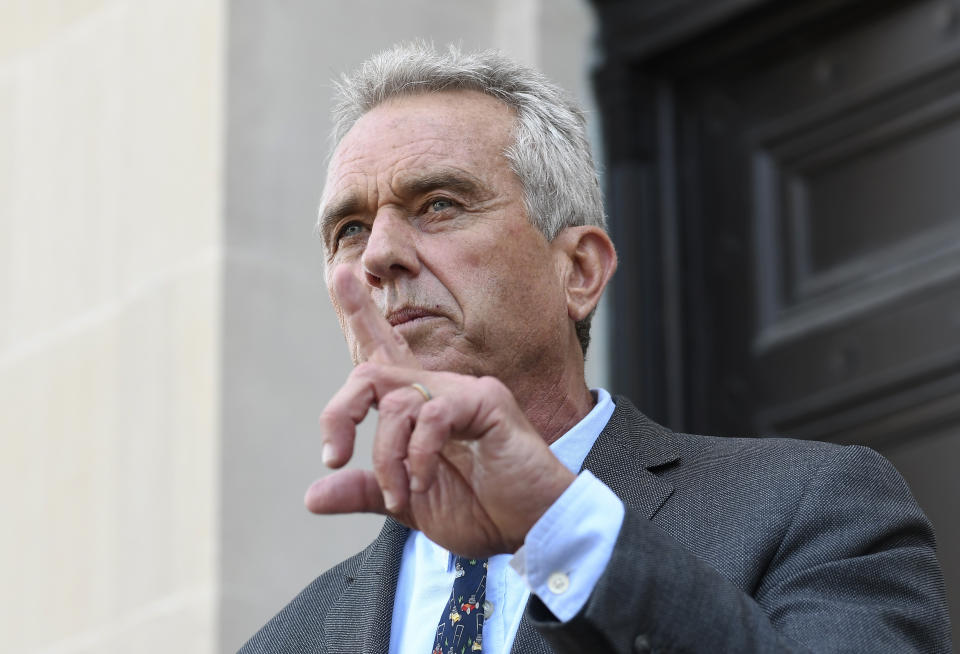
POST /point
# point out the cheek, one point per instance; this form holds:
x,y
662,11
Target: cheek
x,y
526,287
504,274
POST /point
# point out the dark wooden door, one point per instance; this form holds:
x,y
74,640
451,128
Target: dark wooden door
x,y
784,188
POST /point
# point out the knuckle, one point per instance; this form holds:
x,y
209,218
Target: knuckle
x,y
365,370
491,386
392,403
420,451
432,412
382,459
327,420
400,341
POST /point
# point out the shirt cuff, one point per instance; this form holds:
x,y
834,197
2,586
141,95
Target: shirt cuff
x,y
569,547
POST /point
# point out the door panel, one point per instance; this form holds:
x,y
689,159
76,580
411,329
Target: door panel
x,y
791,260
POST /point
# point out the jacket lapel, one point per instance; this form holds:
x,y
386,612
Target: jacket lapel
x,y
628,448
360,620
529,640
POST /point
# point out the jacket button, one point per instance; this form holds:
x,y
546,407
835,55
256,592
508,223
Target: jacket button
x,y
641,645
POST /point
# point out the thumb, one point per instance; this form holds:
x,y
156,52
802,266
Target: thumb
x,y
346,491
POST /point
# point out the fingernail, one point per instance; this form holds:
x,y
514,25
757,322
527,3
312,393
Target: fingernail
x,y
389,500
415,484
327,454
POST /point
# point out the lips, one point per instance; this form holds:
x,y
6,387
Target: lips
x,y
408,314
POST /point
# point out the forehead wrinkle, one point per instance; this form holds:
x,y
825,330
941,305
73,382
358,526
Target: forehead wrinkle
x,y
398,175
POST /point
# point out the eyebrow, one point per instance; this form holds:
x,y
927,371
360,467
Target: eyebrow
x,y
408,186
453,180
336,211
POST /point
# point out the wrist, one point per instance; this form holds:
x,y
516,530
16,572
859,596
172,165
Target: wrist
x,y
542,495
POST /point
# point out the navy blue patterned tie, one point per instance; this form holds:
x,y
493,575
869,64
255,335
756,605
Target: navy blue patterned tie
x,y
461,626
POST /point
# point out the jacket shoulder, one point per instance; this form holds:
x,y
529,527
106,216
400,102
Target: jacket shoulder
x,y
764,457
298,627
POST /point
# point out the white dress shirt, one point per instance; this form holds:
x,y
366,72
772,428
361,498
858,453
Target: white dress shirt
x,y
562,557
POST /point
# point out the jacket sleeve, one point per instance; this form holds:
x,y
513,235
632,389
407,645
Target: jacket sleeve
x,y
855,571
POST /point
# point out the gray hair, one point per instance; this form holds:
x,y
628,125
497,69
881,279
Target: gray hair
x,y
550,153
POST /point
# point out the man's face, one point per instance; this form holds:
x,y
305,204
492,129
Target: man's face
x,y
422,205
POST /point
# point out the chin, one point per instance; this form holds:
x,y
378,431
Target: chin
x,y
447,361
436,362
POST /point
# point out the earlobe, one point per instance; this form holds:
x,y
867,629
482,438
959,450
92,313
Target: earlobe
x,y
592,261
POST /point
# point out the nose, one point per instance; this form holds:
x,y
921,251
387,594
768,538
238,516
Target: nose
x,y
391,249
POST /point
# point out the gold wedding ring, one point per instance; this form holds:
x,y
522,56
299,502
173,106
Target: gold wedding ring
x,y
427,396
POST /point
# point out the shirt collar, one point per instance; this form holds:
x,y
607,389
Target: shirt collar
x,y
572,448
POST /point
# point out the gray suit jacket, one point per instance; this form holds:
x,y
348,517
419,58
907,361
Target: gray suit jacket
x,y
728,545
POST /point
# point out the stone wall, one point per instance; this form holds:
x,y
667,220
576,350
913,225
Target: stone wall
x,y
110,258
166,342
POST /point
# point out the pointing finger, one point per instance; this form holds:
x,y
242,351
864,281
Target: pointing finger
x,y
376,340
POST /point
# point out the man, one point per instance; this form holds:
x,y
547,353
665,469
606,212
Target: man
x,y
465,253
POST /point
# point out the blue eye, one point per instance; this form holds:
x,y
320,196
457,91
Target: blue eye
x,y
350,229
440,204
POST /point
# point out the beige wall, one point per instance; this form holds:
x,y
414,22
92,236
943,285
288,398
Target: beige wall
x,y
166,343
110,240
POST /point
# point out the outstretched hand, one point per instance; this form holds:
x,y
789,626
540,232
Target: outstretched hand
x,y
460,462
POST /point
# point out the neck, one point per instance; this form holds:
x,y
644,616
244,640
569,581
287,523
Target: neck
x,y
556,404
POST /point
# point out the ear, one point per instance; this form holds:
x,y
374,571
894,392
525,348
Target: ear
x,y
589,260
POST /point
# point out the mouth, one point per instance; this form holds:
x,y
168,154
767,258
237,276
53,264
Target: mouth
x,y
409,315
